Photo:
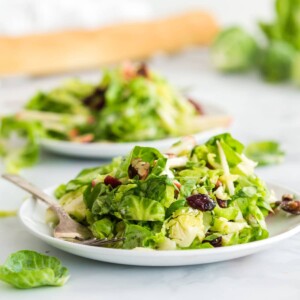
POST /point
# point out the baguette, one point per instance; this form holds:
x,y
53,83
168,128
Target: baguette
x,y
50,53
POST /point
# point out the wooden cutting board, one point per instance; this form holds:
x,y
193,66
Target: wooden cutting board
x,y
50,53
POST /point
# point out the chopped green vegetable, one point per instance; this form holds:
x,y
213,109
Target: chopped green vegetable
x,y
207,196
103,228
185,226
234,50
138,208
65,99
265,152
28,269
295,72
26,152
7,213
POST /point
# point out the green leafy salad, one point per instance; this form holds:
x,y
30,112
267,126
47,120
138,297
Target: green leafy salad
x,y
131,103
193,197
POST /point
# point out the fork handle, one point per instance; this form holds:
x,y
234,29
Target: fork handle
x,y
29,187
35,192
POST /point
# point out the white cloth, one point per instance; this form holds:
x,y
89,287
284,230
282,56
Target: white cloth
x,y
19,17
34,16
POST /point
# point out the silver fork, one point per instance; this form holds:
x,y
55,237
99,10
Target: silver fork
x,y
67,228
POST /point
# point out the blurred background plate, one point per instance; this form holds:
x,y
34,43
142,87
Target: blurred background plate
x,y
111,149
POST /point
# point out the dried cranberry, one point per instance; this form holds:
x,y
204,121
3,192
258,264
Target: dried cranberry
x,y
96,100
222,203
217,242
197,106
292,207
201,201
142,70
112,181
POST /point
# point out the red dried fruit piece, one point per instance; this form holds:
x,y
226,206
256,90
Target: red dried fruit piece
x,y
142,70
96,100
201,201
198,107
128,70
91,120
217,242
112,181
86,138
73,133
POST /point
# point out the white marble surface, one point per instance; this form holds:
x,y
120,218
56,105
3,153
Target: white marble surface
x,y
261,111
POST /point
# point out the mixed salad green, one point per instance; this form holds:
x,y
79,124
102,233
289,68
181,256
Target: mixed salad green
x,y
265,152
131,103
193,197
7,213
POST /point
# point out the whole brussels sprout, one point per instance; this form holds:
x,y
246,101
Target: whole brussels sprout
x,y
276,61
234,50
295,72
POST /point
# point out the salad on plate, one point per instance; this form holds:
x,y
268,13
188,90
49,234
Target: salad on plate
x,y
193,197
130,104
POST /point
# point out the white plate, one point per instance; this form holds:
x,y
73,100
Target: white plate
x,y
110,149
281,226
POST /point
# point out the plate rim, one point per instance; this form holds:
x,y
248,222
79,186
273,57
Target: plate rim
x,y
46,141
